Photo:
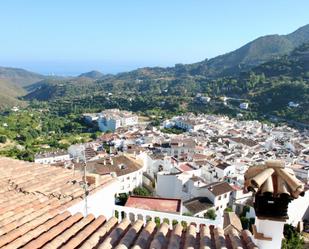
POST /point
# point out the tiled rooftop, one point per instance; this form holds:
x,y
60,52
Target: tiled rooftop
x,y
33,214
75,231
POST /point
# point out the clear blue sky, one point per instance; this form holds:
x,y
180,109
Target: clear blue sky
x,y
73,36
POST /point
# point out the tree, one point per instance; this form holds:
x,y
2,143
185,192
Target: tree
x,y
210,214
141,191
122,198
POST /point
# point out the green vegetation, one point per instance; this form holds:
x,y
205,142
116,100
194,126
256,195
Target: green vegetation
x,y
292,239
228,209
210,214
3,139
187,214
141,191
159,93
27,132
268,73
173,130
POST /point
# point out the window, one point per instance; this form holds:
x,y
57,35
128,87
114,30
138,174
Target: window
x,y
225,195
217,208
219,198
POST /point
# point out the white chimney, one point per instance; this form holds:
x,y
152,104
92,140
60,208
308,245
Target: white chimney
x,y
274,187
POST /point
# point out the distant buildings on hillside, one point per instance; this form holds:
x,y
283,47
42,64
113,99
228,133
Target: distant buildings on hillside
x,y
111,119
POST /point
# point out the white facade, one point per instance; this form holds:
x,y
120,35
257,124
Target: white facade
x,y
298,209
227,171
99,203
130,181
53,159
293,104
112,119
244,106
154,165
181,186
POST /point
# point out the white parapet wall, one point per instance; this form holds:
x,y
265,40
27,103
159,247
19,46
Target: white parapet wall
x,y
142,214
98,203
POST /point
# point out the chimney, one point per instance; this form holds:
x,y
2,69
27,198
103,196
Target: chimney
x,y
274,187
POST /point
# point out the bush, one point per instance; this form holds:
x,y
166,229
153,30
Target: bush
x,y
292,239
122,199
210,214
228,209
3,139
141,191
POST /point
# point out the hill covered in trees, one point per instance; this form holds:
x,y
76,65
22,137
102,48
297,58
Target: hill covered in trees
x,y
268,72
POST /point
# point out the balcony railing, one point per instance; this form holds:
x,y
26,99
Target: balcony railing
x,y
135,213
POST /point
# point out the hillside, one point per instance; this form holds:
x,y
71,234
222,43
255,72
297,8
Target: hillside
x,y
19,77
92,75
9,94
12,81
268,72
269,87
296,64
252,54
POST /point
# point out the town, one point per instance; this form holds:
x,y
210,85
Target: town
x,y
154,124
196,176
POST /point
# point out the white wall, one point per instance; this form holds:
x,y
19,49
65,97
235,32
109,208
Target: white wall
x,y
130,181
168,186
99,203
298,208
54,159
272,229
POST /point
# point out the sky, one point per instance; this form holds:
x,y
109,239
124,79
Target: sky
x,y
68,37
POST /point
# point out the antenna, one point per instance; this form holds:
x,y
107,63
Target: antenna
x,y
85,184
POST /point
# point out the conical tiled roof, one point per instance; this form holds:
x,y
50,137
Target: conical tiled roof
x,y
274,179
274,186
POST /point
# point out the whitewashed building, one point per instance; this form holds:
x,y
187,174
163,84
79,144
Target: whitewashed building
x,y
110,120
52,157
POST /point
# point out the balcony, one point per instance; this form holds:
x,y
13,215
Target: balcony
x,y
145,215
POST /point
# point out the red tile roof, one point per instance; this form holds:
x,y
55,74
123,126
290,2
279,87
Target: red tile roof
x,y
33,215
186,167
154,204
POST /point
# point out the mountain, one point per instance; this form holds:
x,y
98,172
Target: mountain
x,y
9,94
271,68
92,75
12,81
19,77
252,54
296,64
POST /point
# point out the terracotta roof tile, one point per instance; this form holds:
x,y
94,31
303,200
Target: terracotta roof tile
x,y
83,234
55,231
33,215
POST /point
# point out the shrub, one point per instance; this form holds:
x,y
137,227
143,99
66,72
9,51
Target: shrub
x,y
210,214
3,139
